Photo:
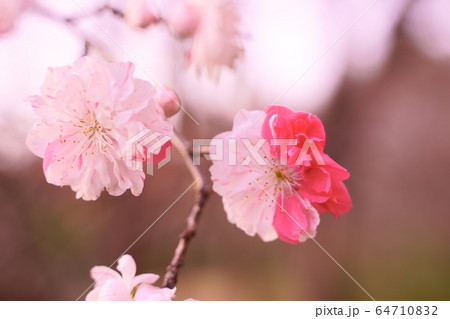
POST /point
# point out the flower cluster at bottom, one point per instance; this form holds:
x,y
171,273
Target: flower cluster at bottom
x,y
126,286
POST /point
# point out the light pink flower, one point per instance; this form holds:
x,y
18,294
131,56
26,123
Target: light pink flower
x,y
87,112
138,14
279,197
9,10
126,286
213,28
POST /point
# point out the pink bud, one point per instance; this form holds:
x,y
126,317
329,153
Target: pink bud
x,y
168,100
183,20
138,14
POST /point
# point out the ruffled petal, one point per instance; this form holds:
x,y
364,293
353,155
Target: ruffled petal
x,y
295,219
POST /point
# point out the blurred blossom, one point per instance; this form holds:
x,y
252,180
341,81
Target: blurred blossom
x,y
183,20
9,11
87,113
284,47
369,41
428,25
284,57
29,48
265,197
126,286
213,27
139,14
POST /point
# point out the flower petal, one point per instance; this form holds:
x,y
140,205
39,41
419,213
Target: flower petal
x,y
295,219
127,267
114,290
150,293
101,274
145,279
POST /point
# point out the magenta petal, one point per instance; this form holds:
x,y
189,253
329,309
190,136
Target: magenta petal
x,y
295,220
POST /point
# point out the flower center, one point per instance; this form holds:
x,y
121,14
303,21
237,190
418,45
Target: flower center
x,y
288,178
96,135
276,180
279,175
92,129
133,291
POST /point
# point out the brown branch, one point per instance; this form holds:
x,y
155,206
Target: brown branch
x,y
105,8
72,21
203,189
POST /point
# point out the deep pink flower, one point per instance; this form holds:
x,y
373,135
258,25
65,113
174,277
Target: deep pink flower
x,y
126,286
282,195
321,182
87,114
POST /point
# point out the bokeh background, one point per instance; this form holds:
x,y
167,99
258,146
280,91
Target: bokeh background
x,y
381,88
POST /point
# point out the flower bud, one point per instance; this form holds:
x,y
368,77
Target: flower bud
x,y
168,100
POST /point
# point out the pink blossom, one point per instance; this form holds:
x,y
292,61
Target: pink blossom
x,y
9,10
212,26
280,197
87,112
126,286
138,14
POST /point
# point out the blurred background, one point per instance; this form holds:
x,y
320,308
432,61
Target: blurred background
x,y
378,74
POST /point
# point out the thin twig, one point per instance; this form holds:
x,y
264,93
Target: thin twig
x,y
105,8
203,189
